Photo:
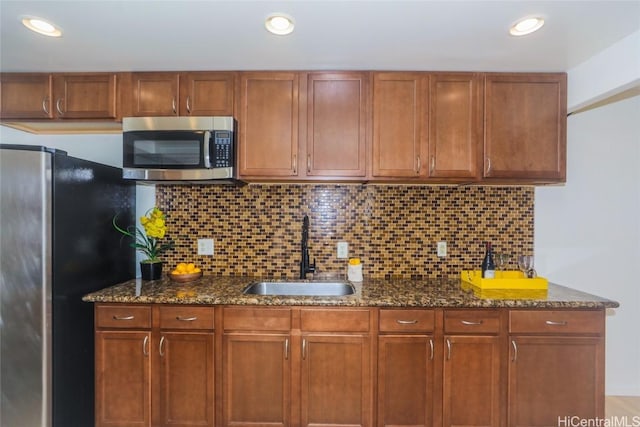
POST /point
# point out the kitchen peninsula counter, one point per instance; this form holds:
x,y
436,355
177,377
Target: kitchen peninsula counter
x,y
400,292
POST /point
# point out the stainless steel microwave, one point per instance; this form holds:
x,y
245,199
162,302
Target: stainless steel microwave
x,y
179,149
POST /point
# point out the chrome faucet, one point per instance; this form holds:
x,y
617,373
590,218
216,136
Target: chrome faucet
x,y
305,266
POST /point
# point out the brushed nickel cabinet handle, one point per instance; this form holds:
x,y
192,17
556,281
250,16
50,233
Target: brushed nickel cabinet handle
x,y
433,164
130,317
431,349
286,349
145,351
406,322
186,319
173,105
161,347
556,323
295,164
304,349
448,349
418,164
45,105
515,351
58,107
189,104
488,165
471,323
308,163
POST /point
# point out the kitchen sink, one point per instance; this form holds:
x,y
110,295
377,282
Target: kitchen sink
x,y
312,288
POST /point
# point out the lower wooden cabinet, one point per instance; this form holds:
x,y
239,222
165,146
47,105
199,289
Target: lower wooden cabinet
x,y
156,365
160,375
556,367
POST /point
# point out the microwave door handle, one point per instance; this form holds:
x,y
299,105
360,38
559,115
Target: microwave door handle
x,y
207,153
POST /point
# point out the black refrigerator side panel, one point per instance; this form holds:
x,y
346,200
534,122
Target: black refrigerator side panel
x,y
88,254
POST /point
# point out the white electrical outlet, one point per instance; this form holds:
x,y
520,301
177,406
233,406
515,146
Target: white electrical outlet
x,y
343,250
442,249
205,246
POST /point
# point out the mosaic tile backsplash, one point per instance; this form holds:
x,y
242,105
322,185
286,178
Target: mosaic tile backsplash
x,y
392,229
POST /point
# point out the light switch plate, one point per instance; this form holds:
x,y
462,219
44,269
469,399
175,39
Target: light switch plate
x,y
205,246
343,250
442,249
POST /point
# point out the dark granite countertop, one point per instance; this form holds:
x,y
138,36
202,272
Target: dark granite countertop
x,y
434,293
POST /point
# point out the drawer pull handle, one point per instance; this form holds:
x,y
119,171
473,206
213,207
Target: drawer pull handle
x,y
406,322
45,105
286,349
186,319
304,349
448,349
131,317
471,322
161,347
145,351
556,323
515,351
431,349
58,106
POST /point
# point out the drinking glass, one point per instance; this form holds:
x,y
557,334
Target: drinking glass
x,y
525,263
501,260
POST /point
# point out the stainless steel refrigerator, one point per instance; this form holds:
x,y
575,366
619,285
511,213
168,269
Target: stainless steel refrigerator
x,y
57,244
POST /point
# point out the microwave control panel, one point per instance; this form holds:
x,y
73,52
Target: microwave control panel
x,y
223,155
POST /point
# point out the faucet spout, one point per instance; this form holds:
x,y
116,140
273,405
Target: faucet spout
x,y
305,265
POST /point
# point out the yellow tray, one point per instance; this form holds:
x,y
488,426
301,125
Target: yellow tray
x,y
509,279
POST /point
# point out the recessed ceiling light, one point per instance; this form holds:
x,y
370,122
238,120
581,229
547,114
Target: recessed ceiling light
x,y
279,23
41,26
526,26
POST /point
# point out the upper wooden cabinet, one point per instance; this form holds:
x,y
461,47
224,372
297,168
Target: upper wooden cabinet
x,y
303,125
337,124
268,122
525,127
59,96
426,126
182,94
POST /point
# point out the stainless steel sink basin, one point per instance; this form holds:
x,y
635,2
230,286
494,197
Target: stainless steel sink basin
x,y
313,288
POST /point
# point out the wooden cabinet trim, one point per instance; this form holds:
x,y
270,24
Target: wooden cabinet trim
x,y
256,319
556,322
407,320
123,316
186,317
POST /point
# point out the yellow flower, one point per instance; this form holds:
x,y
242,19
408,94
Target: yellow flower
x,y
155,228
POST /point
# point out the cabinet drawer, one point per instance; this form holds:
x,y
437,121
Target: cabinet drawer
x,y
392,320
471,322
337,320
186,317
257,319
123,316
556,322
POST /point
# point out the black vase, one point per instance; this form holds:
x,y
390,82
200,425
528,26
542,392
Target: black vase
x,y
151,270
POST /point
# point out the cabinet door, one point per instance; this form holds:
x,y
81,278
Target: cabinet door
x,y
268,120
155,94
337,107
335,380
85,96
525,126
399,124
26,96
206,94
471,381
256,380
551,378
186,382
122,378
405,380
455,125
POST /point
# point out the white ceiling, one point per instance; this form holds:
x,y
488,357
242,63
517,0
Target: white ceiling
x,y
137,35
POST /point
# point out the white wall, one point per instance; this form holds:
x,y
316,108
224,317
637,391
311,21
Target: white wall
x,y
587,233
